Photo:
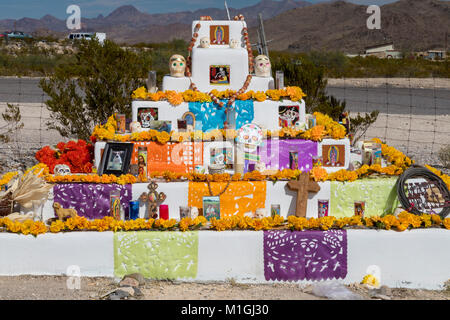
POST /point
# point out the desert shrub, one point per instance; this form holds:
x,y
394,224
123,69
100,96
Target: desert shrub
x,y
89,89
444,156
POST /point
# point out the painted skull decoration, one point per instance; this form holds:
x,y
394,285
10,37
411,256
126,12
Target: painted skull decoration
x,y
146,118
205,42
251,136
262,66
177,66
234,44
61,169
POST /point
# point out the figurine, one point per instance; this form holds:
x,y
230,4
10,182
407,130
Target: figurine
x,y
262,66
234,44
61,170
62,213
154,199
205,42
136,126
177,66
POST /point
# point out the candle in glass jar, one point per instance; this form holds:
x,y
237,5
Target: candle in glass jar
x,y
164,212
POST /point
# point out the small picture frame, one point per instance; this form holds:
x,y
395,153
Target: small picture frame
x,y
181,124
146,115
189,117
160,125
211,207
116,158
219,34
219,75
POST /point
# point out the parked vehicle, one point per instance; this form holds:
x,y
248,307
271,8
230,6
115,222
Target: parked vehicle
x,y
18,35
87,36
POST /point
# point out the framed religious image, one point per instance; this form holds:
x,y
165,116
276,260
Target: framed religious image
x,y
116,158
145,115
219,35
288,116
293,160
189,117
121,123
219,75
211,207
333,155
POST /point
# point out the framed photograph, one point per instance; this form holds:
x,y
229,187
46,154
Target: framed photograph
x,y
211,207
288,116
189,117
161,125
219,34
219,75
219,152
116,158
145,115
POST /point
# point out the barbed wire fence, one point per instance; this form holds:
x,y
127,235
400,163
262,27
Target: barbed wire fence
x,y
413,120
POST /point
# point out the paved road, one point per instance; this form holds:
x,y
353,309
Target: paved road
x,y
386,100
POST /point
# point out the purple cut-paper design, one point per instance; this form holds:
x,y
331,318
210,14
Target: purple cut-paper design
x,y
89,199
305,255
275,153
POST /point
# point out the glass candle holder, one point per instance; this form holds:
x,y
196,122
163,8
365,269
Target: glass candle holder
x,y
164,212
151,82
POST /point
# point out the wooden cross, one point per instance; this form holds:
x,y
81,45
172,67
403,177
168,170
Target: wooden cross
x,y
303,185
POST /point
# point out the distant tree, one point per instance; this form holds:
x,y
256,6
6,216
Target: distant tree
x,y
89,89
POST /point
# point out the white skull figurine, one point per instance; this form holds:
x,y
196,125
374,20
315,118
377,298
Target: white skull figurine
x,y
62,169
260,213
234,44
260,166
135,126
262,66
177,66
205,42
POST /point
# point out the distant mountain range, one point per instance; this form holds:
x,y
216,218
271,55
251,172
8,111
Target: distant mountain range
x,y
291,25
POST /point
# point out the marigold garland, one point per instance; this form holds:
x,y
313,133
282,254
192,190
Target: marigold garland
x,y
175,98
404,221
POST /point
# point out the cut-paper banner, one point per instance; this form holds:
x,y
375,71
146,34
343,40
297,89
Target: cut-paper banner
x,y
156,255
89,199
305,255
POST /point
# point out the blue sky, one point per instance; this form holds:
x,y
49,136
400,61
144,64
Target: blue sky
x,y
16,9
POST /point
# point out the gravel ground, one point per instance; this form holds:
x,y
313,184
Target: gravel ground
x,y
55,288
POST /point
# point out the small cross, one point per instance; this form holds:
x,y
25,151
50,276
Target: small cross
x,y
303,185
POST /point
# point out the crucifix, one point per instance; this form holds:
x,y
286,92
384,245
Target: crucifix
x,y
303,185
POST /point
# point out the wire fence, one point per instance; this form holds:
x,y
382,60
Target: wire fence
x,y
415,120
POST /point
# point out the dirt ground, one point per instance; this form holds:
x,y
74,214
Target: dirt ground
x,y
55,288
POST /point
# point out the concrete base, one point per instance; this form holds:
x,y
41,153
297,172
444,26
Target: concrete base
x,y
403,259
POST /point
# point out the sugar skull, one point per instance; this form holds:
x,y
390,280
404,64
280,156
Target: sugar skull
x,y
61,170
260,166
205,42
135,126
250,135
260,213
262,66
234,44
177,66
